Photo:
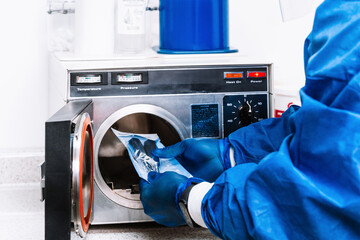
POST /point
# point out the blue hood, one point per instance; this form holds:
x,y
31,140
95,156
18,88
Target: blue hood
x,y
332,51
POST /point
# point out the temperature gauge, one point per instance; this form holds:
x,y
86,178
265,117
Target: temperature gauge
x,y
242,110
88,79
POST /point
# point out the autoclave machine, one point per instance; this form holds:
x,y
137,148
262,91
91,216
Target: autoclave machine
x,y
89,177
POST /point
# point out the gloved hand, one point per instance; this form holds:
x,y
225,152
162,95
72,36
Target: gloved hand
x,y
203,158
160,197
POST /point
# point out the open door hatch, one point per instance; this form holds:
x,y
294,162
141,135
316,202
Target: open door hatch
x,y
69,170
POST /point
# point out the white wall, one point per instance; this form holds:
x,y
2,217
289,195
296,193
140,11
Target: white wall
x,y
23,64
256,29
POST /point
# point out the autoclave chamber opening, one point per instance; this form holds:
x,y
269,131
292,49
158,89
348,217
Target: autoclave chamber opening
x,y
114,162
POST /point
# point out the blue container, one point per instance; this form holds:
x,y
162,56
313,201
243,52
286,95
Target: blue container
x,y
194,26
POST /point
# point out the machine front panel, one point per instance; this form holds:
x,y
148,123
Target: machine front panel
x,y
174,102
174,80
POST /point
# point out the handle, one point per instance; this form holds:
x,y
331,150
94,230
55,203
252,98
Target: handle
x,y
42,181
152,9
62,9
148,8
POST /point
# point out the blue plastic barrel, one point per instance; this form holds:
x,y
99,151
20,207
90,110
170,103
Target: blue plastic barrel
x,y
194,25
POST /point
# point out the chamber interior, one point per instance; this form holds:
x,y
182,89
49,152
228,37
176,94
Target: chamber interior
x,y
114,162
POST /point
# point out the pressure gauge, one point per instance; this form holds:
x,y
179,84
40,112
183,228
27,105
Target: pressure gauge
x,y
129,78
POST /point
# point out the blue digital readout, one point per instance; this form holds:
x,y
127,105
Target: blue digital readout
x,y
205,120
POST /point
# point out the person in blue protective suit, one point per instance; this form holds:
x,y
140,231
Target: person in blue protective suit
x,y
296,177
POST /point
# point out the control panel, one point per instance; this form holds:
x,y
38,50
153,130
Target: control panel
x,y
242,110
171,80
239,93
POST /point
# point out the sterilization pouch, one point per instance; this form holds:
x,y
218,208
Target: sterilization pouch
x,y
140,146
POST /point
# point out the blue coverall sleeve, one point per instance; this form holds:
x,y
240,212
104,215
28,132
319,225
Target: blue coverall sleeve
x,y
267,134
309,186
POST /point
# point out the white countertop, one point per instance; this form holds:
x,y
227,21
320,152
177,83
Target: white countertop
x,y
72,61
22,217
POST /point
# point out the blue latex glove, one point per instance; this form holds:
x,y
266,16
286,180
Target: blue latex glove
x,y
203,158
160,197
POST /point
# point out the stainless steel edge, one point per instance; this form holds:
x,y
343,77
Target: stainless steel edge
x,y
76,174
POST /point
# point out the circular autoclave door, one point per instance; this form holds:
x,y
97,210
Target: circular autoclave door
x,y
114,172
83,174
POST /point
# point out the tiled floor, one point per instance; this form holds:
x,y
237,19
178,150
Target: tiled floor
x,y
22,217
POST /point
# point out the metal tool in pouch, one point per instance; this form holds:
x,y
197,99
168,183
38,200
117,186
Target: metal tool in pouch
x,y
140,147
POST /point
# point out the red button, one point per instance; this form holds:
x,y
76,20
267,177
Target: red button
x,y
256,74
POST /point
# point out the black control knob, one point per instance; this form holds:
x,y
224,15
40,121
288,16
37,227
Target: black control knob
x,y
245,114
